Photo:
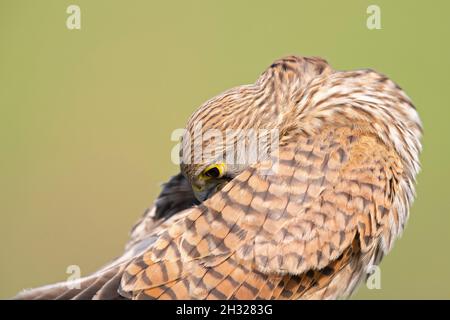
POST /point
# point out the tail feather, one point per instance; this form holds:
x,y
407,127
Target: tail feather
x,y
101,285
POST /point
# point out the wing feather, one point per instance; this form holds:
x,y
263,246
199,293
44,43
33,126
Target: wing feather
x,y
296,226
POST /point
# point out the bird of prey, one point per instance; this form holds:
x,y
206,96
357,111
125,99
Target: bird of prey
x,y
308,221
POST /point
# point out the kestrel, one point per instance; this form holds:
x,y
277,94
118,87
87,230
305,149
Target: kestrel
x,y
308,221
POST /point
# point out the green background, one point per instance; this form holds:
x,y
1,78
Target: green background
x,y
86,116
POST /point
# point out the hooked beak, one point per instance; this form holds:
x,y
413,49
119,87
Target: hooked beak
x,y
204,194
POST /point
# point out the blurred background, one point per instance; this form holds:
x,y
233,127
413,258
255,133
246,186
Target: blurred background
x,y
86,116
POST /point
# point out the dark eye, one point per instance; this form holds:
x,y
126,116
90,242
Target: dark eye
x,y
214,172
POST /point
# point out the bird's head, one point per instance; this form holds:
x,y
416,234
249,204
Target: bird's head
x,y
213,142
243,125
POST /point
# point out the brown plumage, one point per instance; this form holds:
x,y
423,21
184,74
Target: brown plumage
x,y
338,195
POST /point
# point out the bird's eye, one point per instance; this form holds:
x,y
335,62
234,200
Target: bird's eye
x,y
214,171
